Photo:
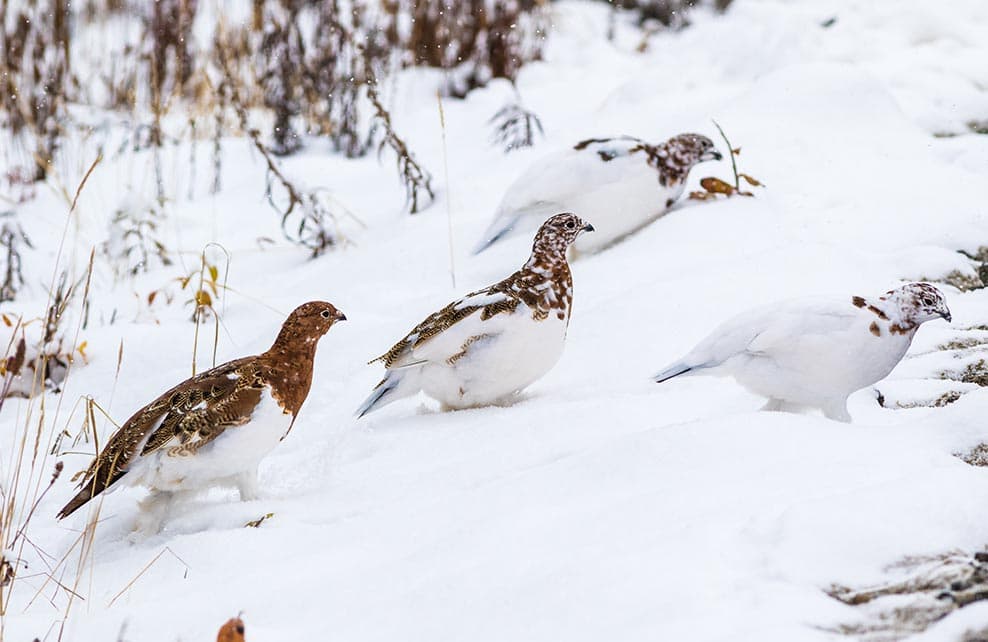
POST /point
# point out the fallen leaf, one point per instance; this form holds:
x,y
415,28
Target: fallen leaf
x,y
716,186
232,631
751,181
254,523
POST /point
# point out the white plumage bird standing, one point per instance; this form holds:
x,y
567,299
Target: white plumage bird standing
x,y
617,184
815,352
489,345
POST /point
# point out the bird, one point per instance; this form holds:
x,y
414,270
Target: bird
x,y
814,352
618,184
214,428
485,347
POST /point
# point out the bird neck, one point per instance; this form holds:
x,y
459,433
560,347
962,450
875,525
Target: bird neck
x,y
548,254
888,312
547,282
673,162
287,368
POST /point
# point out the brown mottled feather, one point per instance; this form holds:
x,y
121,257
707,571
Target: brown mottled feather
x,y
673,158
544,284
173,418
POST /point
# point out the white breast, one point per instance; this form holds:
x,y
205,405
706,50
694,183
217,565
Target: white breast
x,y
238,450
517,351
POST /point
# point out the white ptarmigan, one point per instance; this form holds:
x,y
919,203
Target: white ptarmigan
x,y
617,184
489,345
815,352
214,428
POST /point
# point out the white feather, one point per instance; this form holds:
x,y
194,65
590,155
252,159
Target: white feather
x,y
806,352
235,453
617,196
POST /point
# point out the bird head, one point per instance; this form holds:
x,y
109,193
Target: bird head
x,y
312,319
694,148
919,303
558,232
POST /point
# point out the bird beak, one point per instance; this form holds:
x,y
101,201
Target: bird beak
x,y
340,316
588,228
946,316
713,154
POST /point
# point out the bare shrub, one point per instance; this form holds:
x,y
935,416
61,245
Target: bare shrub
x,y
515,127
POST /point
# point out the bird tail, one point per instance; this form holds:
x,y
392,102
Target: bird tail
x,y
397,384
674,370
497,230
77,502
100,476
91,489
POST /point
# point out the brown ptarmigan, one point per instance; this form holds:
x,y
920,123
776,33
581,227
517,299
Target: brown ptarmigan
x,y
214,428
617,184
489,345
815,352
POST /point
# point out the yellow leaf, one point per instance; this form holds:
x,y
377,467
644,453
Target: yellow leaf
x,y
203,299
716,186
6,320
751,181
213,273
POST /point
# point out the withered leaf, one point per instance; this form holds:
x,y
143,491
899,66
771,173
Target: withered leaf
x,y
232,631
16,361
736,151
203,298
254,523
751,180
716,186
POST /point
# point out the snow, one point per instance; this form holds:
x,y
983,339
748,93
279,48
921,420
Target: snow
x,y
600,506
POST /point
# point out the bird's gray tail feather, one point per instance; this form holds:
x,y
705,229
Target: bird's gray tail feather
x,y
395,385
495,233
674,370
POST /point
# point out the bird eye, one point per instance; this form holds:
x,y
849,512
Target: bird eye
x,y
570,225
324,314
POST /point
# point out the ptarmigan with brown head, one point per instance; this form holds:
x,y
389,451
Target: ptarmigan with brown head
x,y
214,428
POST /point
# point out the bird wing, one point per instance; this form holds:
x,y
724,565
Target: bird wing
x,y
445,333
556,183
186,417
806,322
767,329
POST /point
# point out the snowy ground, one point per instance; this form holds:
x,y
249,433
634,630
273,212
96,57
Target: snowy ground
x,y
602,506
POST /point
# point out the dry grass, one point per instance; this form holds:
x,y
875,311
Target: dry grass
x,y
976,372
935,586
